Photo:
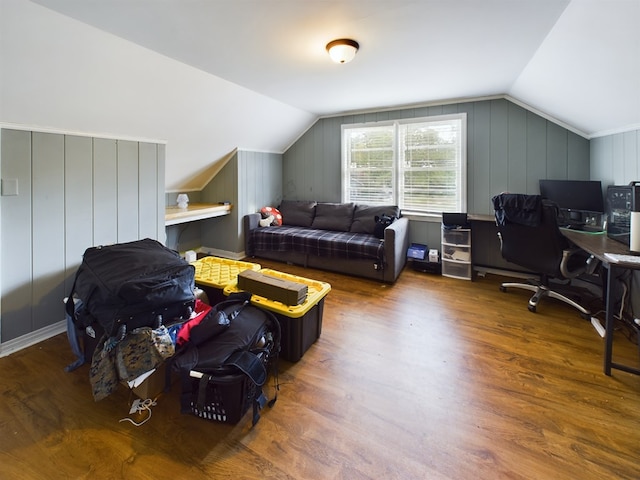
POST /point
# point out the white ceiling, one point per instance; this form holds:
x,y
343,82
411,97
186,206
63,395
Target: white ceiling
x,y
575,60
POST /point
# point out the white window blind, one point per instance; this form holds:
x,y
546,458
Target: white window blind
x,y
417,164
370,160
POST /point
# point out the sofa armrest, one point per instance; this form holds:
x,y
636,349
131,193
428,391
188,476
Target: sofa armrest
x,y
396,243
250,221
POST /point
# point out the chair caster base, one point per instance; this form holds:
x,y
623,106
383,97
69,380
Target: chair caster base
x,y
541,291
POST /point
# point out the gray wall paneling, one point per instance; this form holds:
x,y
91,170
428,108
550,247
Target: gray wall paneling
x,y
577,152
48,228
535,158
128,194
184,236
631,154
148,206
499,150
615,160
600,160
479,158
15,243
73,192
105,186
161,152
508,149
78,203
517,150
221,233
557,166
260,185
250,181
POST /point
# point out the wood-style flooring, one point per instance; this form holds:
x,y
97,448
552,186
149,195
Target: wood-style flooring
x,y
429,378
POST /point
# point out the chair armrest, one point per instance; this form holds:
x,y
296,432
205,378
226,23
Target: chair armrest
x,y
579,266
251,221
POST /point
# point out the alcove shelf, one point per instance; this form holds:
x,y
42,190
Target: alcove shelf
x,y
194,211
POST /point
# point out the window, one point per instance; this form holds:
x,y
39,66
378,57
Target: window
x,y
417,164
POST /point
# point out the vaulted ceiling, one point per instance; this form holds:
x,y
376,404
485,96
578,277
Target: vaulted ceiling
x,y
576,60
210,76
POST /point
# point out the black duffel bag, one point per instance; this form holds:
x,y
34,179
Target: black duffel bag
x,y
129,285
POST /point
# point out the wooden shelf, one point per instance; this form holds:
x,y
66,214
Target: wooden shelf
x,y
195,211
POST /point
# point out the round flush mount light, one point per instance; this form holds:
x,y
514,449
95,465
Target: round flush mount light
x,y
342,50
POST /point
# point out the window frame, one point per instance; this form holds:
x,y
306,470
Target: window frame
x,y
397,191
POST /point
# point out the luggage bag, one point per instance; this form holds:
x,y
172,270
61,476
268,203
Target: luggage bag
x,y
131,284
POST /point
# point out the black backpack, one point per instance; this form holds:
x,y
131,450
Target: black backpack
x,y
382,222
223,375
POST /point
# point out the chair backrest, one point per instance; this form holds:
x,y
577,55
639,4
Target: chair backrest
x,y
529,233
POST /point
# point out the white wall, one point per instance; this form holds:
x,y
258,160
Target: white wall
x,y
62,75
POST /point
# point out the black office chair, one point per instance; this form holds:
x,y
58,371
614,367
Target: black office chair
x,y
530,237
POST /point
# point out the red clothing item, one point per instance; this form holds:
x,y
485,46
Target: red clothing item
x,y
200,312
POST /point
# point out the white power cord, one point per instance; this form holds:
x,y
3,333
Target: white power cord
x,y
598,326
623,300
139,406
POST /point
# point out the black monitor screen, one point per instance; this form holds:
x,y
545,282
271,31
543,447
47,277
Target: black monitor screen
x,y
582,195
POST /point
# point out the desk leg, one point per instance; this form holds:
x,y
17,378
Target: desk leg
x,y
612,288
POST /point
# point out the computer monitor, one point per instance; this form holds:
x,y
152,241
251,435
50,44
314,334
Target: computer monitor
x,y
574,195
580,202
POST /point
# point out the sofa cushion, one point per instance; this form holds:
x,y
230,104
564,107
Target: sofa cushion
x,y
298,213
316,242
364,217
334,216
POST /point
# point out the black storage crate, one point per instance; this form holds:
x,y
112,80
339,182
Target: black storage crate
x,y
224,375
298,334
222,398
300,325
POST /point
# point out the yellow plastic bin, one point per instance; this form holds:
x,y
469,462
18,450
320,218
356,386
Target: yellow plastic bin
x,y
213,274
300,325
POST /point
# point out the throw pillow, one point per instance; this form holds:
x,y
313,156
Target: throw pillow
x,y
334,216
298,213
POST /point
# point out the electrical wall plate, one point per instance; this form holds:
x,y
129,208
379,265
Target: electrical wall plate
x,y
9,187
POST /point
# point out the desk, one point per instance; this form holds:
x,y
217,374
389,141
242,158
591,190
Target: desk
x,y
195,211
597,244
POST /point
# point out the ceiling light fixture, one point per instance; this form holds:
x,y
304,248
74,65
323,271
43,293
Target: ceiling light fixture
x,y
342,50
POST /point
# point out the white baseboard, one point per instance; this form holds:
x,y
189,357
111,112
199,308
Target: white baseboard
x,y
12,346
222,253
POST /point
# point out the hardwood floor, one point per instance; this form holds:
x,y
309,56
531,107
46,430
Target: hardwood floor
x,y
431,378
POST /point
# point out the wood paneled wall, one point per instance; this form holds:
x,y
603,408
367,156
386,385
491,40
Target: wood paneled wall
x,y
73,192
250,181
509,148
615,159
